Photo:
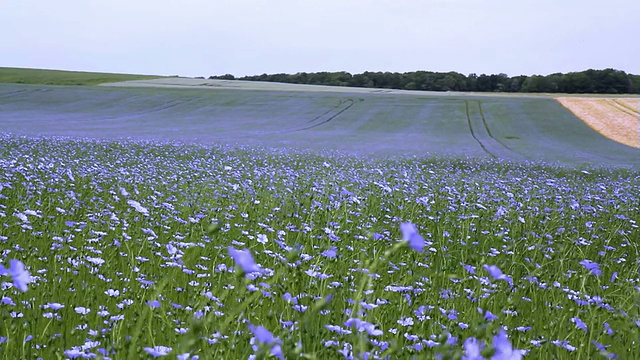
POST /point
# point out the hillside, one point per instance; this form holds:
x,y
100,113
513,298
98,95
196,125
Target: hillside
x,y
62,77
458,125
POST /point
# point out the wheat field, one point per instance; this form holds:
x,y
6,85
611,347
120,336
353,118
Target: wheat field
x,y
616,119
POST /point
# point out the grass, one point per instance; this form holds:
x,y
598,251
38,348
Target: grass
x,y
61,77
128,245
366,124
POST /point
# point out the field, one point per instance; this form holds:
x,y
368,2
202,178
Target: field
x,y
459,125
615,118
221,223
59,77
129,247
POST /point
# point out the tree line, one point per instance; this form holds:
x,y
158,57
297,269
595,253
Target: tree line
x,y
607,81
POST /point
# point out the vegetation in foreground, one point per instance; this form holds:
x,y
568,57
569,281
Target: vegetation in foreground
x,y
136,249
61,77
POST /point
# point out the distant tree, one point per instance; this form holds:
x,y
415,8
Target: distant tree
x,y
485,83
472,80
609,81
361,80
575,82
538,84
515,83
635,84
223,77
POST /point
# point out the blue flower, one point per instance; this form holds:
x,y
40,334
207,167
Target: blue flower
x,y
20,276
410,234
579,323
497,274
361,326
503,349
244,259
472,349
489,316
264,336
330,253
158,351
591,266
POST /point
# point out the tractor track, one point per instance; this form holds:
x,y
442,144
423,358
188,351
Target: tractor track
x,y
624,108
152,110
486,126
481,132
466,105
317,121
327,116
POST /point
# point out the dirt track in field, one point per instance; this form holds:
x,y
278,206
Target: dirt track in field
x,y
616,118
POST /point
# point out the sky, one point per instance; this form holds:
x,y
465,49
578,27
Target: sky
x,y
250,37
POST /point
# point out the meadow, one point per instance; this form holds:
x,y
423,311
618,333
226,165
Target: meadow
x,y
144,222
61,77
137,249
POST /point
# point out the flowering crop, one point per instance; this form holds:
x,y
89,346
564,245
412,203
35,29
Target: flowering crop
x,y
132,249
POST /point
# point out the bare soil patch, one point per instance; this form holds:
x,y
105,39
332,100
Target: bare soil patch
x,y
617,119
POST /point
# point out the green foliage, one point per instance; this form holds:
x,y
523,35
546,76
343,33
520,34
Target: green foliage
x,y
607,81
60,77
105,261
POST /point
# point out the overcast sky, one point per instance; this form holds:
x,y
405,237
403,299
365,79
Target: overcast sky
x,y
246,37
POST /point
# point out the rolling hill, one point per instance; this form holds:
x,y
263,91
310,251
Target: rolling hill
x,y
361,121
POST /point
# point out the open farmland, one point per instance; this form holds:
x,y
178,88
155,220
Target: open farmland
x,y
190,223
458,125
615,118
61,77
136,249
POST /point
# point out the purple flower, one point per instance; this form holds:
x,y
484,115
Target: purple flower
x,y
502,346
263,239
53,306
410,234
363,326
591,266
244,259
262,334
470,269
330,253
82,310
139,208
565,344
579,324
489,316
158,351
472,349
266,337
20,276
608,329
497,274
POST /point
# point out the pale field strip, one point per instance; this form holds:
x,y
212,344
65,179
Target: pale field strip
x,y
616,119
192,83
196,83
